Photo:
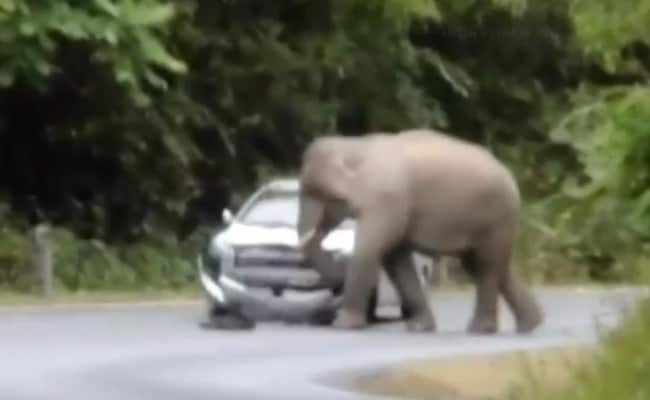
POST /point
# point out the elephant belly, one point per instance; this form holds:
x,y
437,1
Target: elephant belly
x,y
438,243
444,233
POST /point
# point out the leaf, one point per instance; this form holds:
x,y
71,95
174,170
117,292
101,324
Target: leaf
x,y
124,73
43,67
108,7
155,80
141,99
8,5
27,28
459,80
149,15
6,78
111,35
153,50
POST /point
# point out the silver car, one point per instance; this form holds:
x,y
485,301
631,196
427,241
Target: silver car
x,y
257,251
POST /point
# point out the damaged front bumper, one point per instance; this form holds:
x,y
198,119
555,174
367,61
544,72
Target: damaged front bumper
x,y
228,293
223,290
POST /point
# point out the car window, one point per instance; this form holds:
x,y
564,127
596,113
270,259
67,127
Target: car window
x,y
273,208
276,208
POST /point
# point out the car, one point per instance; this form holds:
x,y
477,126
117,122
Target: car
x,y
257,249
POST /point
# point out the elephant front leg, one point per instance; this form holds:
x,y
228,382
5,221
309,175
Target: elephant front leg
x,y
401,270
361,277
362,272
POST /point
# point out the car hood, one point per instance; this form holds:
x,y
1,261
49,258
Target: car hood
x,y
245,235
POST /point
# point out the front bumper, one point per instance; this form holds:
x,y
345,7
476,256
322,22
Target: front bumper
x,y
222,289
227,288
279,277
277,268
229,292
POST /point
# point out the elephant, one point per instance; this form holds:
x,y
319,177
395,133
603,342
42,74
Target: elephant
x,y
418,190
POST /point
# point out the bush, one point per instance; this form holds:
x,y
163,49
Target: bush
x,y
90,265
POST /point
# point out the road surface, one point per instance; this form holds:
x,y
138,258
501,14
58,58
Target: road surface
x,y
158,352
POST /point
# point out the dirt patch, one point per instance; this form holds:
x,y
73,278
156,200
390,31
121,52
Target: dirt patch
x,y
484,378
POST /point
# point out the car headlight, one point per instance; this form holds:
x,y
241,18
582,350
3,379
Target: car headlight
x,y
217,256
212,261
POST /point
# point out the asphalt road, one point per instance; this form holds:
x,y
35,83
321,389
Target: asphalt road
x,y
158,351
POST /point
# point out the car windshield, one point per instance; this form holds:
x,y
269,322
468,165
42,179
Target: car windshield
x,y
277,208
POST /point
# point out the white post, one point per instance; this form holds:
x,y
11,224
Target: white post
x,y
41,257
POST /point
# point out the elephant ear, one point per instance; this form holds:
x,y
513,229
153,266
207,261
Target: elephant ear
x,y
341,178
329,168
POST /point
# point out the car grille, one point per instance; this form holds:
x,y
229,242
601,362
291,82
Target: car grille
x,y
263,256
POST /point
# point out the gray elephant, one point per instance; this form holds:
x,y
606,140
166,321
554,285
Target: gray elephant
x,y
416,190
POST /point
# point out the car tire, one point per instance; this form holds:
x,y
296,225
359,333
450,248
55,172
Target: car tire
x,y
209,306
277,291
371,310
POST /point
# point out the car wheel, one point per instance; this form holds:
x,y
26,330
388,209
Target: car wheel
x,y
209,305
406,314
277,291
371,311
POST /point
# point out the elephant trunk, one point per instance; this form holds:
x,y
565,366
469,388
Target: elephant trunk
x,y
311,231
310,215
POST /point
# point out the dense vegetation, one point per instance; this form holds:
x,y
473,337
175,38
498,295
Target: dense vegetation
x,y
129,124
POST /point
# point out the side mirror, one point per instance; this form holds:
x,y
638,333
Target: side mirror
x,y
226,216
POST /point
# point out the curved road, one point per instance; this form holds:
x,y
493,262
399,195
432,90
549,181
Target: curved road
x,y
157,351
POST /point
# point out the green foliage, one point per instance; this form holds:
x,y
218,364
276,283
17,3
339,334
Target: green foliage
x,y
149,264
606,27
91,265
13,258
600,213
130,120
126,36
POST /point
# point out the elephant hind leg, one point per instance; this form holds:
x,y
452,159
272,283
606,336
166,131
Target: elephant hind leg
x,y
490,265
482,265
415,305
527,312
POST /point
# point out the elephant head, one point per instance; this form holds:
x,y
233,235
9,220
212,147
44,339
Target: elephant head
x,y
325,197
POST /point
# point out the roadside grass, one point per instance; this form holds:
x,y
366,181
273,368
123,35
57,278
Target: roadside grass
x,y
193,293
489,377
12,298
620,370
618,367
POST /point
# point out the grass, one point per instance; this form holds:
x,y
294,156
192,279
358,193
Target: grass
x,y
473,378
621,370
9,298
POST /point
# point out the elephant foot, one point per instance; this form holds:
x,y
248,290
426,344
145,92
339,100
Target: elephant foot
x,y
349,320
323,317
530,322
483,326
421,323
